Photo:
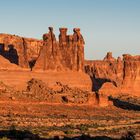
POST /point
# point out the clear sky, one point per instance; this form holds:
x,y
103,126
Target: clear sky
x,y
107,25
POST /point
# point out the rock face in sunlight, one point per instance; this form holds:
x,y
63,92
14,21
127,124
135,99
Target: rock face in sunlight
x,y
48,54
109,76
18,50
13,49
131,80
107,70
6,65
47,87
109,57
67,54
123,75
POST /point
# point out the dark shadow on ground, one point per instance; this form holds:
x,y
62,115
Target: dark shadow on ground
x,y
85,137
18,135
22,135
124,104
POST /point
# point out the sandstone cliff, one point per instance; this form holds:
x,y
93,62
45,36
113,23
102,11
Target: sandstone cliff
x,y
19,50
107,70
123,74
67,54
131,78
48,54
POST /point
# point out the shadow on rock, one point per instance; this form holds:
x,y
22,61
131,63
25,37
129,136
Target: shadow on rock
x,y
124,104
27,135
18,135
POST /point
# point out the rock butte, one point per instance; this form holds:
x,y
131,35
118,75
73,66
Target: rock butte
x,y
64,61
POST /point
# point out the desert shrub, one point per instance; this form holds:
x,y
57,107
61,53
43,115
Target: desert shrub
x,y
70,126
69,132
128,136
4,138
82,127
95,125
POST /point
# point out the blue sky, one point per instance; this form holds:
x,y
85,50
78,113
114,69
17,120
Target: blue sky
x,y
107,25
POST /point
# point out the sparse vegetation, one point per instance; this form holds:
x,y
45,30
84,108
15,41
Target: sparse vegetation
x,y
69,132
82,127
130,135
4,138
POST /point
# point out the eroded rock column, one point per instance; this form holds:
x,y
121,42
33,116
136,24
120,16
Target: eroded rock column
x,y
79,49
48,53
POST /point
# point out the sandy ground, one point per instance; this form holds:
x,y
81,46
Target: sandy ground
x,y
18,79
60,119
49,120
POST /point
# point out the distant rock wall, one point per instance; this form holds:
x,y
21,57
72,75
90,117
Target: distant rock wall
x,y
131,79
67,54
123,74
19,50
107,70
48,54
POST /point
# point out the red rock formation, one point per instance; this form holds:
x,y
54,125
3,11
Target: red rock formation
x,y
49,56
6,65
108,89
79,44
33,48
19,50
131,79
65,47
107,70
63,37
123,74
109,57
68,54
12,48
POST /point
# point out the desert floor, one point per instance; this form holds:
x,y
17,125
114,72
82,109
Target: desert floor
x,y
48,120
